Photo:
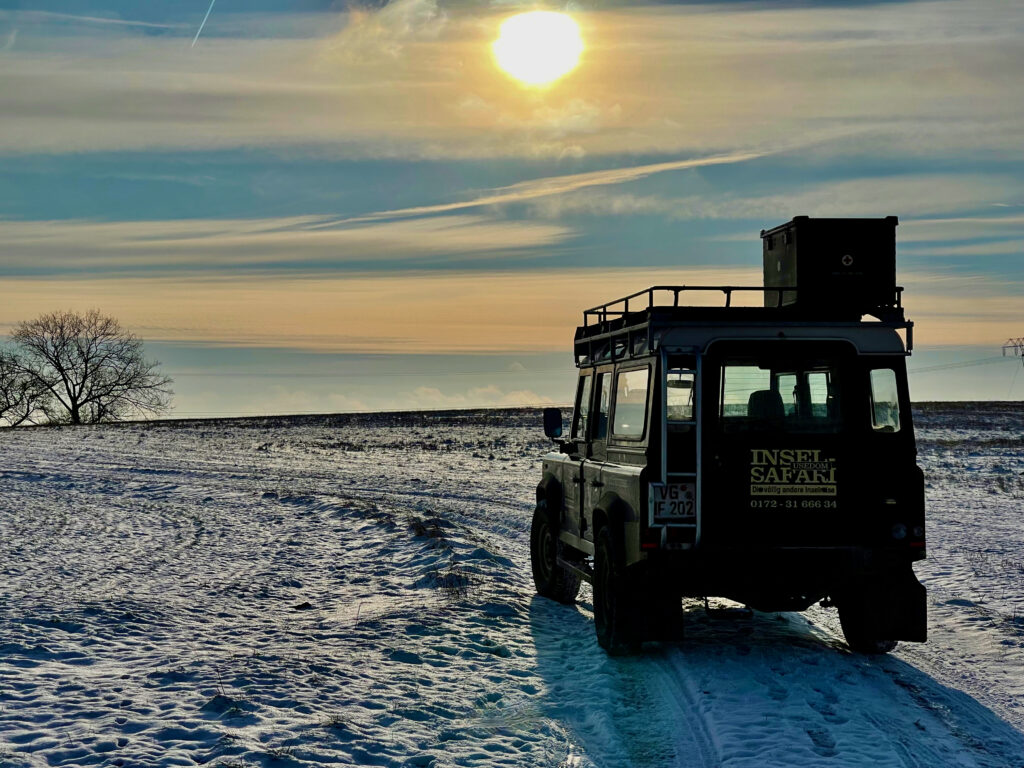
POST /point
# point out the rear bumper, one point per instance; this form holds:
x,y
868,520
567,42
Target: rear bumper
x,y
780,574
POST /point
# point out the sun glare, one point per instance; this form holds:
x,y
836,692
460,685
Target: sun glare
x,y
538,47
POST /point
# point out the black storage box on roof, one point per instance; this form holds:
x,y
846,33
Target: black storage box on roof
x,y
842,266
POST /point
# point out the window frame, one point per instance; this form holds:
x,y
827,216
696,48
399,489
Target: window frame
x,y
692,399
802,368
875,428
615,404
599,377
575,433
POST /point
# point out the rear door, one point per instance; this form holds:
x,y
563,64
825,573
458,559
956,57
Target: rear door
x,y
781,469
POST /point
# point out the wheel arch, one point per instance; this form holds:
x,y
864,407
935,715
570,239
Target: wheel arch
x,y
549,490
612,511
615,510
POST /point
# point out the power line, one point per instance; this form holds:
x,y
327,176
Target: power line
x,y
964,364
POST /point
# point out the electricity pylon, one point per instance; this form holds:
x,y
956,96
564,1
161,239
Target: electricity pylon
x,y
1014,347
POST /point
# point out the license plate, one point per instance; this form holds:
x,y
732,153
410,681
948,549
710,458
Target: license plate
x,y
673,499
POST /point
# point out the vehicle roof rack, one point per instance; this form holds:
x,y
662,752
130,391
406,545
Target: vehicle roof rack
x,y
632,326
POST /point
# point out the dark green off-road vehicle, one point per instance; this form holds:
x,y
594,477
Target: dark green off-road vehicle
x,y
761,451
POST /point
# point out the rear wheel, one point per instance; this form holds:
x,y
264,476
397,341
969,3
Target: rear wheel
x,y
614,619
859,620
550,579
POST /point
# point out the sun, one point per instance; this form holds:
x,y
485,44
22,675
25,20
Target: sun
x,y
538,47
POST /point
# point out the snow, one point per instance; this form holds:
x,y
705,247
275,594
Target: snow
x,y
356,591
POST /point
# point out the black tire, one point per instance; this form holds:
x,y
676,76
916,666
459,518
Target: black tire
x,y
860,628
614,615
550,579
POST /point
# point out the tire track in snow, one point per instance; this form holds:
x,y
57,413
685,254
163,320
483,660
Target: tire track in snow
x,y
661,689
697,746
658,687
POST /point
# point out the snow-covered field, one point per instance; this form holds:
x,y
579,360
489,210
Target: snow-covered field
x,y
356,591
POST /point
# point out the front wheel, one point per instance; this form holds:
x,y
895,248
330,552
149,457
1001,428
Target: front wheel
x,y
550,579
614,621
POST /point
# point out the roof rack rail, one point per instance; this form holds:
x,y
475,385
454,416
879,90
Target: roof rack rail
x,y
773,299
603,312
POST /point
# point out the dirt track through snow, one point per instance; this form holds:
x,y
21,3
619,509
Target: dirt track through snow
x,y
356,591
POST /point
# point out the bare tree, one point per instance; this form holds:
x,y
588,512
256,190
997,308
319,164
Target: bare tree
x,y
90,368
21,396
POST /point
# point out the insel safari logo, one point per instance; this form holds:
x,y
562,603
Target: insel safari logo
x,y
791,472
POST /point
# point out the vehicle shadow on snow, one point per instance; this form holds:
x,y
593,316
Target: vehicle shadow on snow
x,y
749,688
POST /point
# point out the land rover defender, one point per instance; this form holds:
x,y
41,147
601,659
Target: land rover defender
x,y
760,450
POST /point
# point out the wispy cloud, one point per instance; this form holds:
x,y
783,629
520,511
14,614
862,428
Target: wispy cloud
x,y
908,195
551,186
951,229
1008,247
43,17
490,395
295,242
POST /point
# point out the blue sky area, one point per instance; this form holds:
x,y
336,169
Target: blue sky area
x,y
327,206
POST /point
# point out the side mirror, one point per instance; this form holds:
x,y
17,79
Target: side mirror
x,y
553,422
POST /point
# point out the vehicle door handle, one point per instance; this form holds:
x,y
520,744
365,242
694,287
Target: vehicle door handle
x,y
576,480
596,484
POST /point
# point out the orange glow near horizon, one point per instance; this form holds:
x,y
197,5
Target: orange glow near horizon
x,y
439,313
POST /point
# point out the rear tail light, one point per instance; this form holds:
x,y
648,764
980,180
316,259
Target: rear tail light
x,y
651,539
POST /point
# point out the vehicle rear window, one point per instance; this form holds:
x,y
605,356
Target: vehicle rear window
x,y
790,396
631,403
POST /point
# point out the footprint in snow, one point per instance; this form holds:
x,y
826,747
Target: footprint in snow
x,y
824,744
827,712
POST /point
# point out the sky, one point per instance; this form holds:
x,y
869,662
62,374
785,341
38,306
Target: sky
x,y
326,206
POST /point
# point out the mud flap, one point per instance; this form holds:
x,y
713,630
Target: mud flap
x,y
910,608
661,614
900,607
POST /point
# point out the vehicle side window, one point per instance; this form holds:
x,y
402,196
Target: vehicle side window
x,y
885,401
604,389
679,403
579,424
631,403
